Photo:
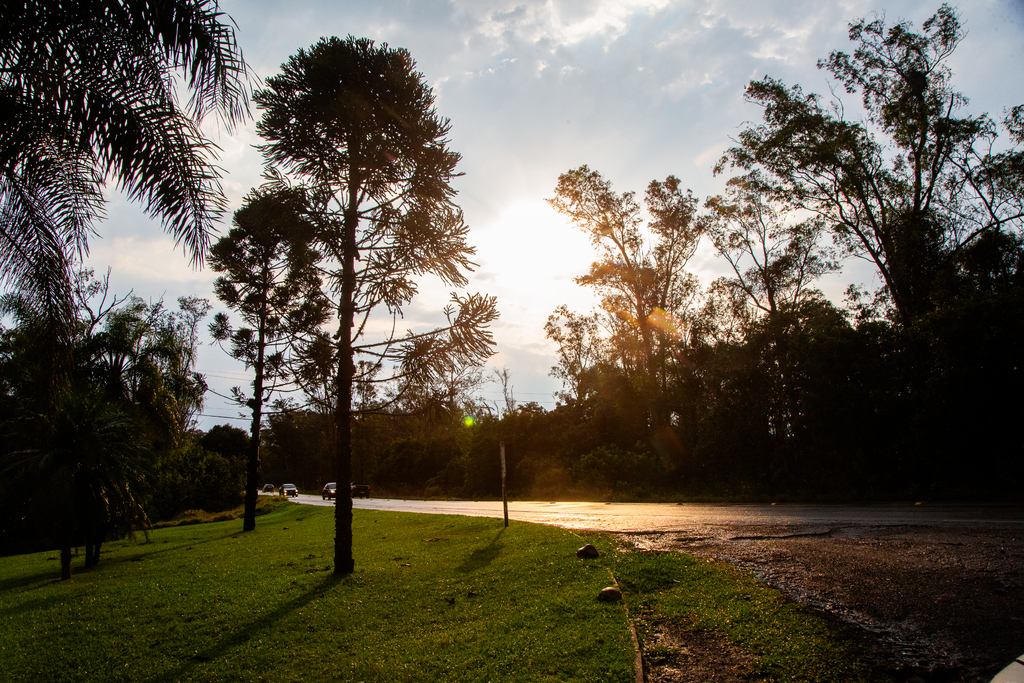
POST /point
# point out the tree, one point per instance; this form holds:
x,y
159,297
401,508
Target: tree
x,y
355,124
82,457
88,474
911,185
640,275
86,97
144,357
270,278
580,348
774,258
229,441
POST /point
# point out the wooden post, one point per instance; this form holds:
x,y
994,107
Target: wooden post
x,y
504,497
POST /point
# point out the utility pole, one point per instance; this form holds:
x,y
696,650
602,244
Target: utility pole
x,y
504,496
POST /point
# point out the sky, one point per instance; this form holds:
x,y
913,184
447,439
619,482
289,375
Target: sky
x,y
636,89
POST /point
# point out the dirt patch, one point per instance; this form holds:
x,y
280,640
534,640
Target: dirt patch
x,y
673,654
937,606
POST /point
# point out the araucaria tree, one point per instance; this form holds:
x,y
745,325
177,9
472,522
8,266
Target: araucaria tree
x,y
269,276
354,124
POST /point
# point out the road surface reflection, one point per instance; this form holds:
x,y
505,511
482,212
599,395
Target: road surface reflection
x,y
715,520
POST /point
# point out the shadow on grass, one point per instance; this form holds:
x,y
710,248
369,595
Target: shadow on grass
x,y
146,548
31,581
246,633
481,557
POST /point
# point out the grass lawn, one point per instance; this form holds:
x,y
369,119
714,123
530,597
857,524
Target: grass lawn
x,y
433,598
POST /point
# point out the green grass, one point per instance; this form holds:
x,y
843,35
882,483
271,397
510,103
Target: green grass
x,y
788,642
264,504
433,598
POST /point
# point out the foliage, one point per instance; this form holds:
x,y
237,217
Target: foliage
x,y
297,448
85,456
269,276
229,441
189,477
144,356
912,185
644,290
775,260
612,467
580,348
354,124
86,476
87,95
765,389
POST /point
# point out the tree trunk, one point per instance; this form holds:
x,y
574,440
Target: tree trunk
x,y
65,556
92,550
252,466
343,560
251,474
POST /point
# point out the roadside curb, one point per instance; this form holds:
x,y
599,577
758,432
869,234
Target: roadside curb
x,y
638,657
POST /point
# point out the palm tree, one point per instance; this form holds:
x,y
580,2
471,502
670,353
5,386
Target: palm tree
x,y
87,476
83,455
87,96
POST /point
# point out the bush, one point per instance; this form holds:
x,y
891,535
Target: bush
x,y
193,478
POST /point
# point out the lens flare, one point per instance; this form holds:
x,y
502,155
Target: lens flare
x,y
469,420
668,324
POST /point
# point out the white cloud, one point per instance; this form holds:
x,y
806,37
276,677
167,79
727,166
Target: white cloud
x,y
556,23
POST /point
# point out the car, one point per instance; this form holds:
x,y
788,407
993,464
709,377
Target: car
x,y
268,488
330,491
360,490
289,490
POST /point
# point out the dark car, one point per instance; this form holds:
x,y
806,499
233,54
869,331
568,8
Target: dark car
x,y
330,491
268,488
360,490
289,490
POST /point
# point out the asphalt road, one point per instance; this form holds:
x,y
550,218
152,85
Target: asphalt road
x,y
724,522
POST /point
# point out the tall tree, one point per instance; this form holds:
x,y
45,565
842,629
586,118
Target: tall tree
x,y
640,274
355,123
912,184
269,277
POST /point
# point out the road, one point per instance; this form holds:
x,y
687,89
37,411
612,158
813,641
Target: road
x,y
723,522
935,589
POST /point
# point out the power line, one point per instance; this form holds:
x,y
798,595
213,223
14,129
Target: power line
x,y
226,417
